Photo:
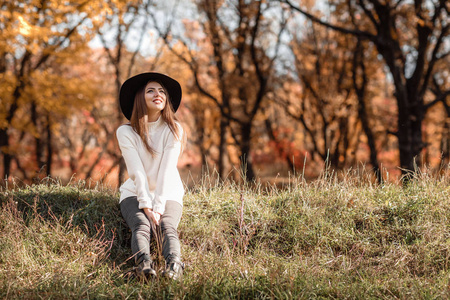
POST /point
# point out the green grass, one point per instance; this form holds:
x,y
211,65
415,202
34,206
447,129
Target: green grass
x,y
339,237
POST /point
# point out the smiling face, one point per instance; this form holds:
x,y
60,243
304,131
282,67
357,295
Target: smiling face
x,y
155,99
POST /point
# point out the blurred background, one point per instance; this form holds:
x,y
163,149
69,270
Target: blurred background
x,y
270,88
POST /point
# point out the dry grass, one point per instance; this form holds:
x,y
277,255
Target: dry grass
x,y
338,237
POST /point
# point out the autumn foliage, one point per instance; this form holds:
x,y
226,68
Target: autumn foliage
x,y
270,87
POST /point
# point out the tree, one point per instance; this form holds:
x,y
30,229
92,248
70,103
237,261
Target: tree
x,y
360,79
319,94
32,37
237,70
409,36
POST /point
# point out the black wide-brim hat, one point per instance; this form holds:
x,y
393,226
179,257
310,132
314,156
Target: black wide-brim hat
x,y
132,84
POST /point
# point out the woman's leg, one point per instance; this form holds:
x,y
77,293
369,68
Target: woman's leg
x,y
171,244
140,229
169,225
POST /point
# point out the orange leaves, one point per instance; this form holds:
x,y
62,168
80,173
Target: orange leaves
x,y
45,25
61,99
42,42
24,27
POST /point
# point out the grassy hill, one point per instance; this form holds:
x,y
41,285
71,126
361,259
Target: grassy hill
x,y
331,238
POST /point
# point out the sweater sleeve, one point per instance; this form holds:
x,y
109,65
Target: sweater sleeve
x,y
134,165
166,189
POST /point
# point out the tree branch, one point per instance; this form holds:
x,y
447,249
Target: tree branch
x,y
439,98
369,14
193,66
141,38
359,33
44,57
434,58
262,76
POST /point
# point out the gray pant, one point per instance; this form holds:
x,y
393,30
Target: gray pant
x,y
141,229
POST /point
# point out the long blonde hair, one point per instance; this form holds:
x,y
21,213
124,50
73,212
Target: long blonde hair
x,y
139,118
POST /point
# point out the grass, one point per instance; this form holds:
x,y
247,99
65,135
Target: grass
x,y
339,237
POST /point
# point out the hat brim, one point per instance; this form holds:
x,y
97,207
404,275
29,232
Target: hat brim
x,y
132,84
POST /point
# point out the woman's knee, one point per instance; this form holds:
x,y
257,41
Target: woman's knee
x,y
140,223
168,227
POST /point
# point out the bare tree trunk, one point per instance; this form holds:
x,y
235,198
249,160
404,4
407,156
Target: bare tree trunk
x,y
445,144
222,146
7,157
49,145
37,139
370,139
358,62
245,147
4,135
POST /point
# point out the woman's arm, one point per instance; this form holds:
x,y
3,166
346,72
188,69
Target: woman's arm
x,y
134,165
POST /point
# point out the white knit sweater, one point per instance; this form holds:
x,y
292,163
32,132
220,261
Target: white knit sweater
x,y
154,180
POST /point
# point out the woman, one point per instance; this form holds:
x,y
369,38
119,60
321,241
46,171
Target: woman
x,y
151,144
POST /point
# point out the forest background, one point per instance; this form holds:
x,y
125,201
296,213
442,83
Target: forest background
x,y
270,88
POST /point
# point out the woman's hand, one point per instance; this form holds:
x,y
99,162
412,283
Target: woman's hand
x,y
152,216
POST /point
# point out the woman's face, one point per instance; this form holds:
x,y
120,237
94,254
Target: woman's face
x,y
155,97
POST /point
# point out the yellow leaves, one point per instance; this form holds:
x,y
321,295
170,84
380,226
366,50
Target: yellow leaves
x,y
36,24
60,94
24,28
61,98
